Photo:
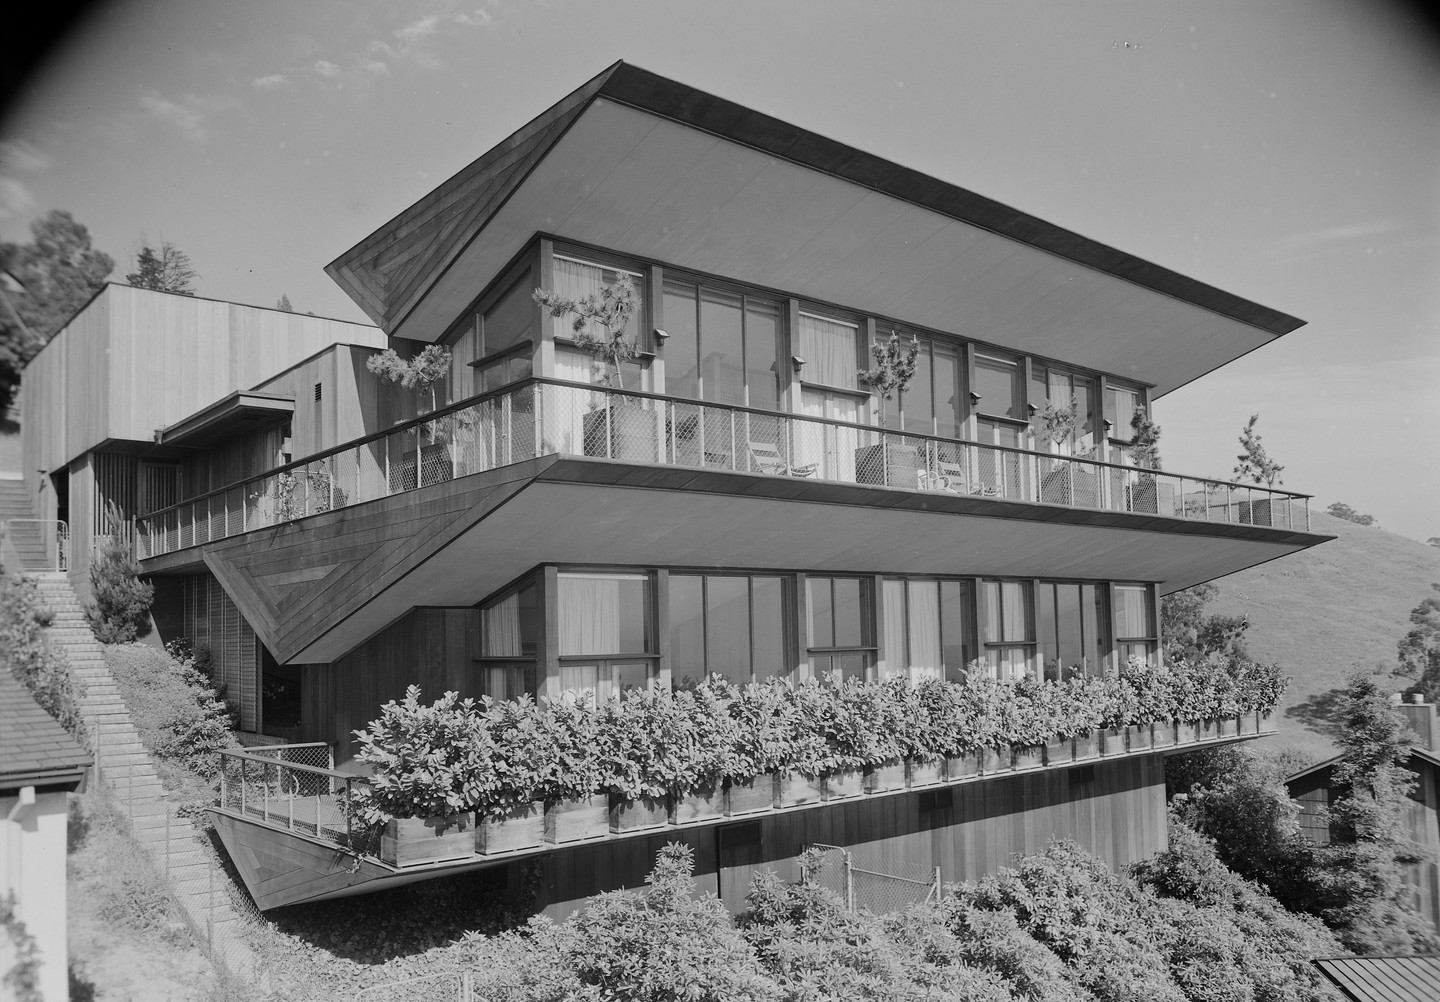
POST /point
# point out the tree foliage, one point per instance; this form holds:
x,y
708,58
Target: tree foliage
x,y
165,270
419,373
283,304
1190,633
45,282
893,369
599,324
119,611
1419,648
40,669
1342,510
1144,445
1254,464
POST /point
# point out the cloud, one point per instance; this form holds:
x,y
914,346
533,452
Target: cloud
x,y
326,69
16,200
413,42
23,155
191,114
1326,239
270,82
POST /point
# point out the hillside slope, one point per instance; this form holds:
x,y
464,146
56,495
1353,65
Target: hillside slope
x,y
1325,610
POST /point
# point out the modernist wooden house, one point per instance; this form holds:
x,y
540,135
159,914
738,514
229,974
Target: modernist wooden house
x,y
1314,789
737,501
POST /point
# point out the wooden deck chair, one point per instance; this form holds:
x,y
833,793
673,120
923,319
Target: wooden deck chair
x,y
765,458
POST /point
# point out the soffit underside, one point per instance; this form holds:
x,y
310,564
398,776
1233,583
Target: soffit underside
x,y
638,184
561,520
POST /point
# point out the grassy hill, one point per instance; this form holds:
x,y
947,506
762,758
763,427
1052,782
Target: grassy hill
x,y
1323,611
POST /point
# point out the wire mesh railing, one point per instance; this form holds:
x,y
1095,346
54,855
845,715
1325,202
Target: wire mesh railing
x,y
269,785
546,417
871,881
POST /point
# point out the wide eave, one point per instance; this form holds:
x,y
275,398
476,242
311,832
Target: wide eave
x,y
649,167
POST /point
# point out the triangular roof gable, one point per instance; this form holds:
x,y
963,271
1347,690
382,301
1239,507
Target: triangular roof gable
x,y
390,273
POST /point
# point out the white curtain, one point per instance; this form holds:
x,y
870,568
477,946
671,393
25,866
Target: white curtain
x,y
502,628
923,600
1014,626
589,614
896,656
1131,611
828,347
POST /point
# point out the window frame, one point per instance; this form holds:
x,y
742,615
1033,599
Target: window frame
x,y
787,619
867,649
1152,612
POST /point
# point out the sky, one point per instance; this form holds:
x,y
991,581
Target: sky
x,y
1285,151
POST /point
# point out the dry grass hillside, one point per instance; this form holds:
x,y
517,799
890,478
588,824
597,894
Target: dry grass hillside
x,y
1326,610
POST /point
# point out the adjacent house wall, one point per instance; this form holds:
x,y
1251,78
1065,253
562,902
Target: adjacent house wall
x,y
32,867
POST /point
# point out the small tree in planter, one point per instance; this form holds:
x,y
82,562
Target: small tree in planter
x,y
809,754
897,736
420,373
598,325
1255,465
894,368
432,765
1144,453
573,810
646,744
1029,720
765,738
700,788
120,611
514,813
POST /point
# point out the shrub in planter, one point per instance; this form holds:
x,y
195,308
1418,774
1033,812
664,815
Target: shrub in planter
x,y
809,755
646,746
574,807
895,717
513,814
851,719
764,743
432,766
699,793
1026,715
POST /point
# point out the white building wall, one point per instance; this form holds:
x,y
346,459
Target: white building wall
x,y
32,867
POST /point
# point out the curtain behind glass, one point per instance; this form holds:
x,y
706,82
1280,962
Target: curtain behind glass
x,y
502,628
602,614
892,592
828,348
923,600
1132,609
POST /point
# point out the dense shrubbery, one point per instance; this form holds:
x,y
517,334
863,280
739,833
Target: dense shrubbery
x,y
458,755
179,717
42,670
1059,926
120,609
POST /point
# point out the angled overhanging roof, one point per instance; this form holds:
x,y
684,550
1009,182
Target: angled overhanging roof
x,y
317,588
649,167
241,411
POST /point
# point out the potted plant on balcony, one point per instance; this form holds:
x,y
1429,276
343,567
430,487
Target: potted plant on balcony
x,y
644,744
851,724
1144,454
622,429
765,735
431,765
891,714
1029,717
1256,466
574,809
801,774
433,461
934,735
1119,708
699,793
891,463
514,814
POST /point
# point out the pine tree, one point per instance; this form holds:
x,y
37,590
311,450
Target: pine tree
x,y
120,609
165,270
1254,464
283,303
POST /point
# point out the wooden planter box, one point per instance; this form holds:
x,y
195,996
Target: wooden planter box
x,y
408,841
1206,730
1000,759
1228,727
577,820
1267,722
752,796
1187,732
638,815
1029,757
1247,723
845,784
961,767
1059,751
1139,737
797,788
1112,741
1087,746
1163,732
927,772
701,804
522,828
886,777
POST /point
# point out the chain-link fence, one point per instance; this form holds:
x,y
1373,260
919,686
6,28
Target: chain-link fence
x,y
872,881
280,786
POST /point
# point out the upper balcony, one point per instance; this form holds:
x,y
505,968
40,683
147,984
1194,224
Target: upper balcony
x,y
543,417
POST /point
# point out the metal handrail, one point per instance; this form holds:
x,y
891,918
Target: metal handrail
x,y
62,538
518,414
335,779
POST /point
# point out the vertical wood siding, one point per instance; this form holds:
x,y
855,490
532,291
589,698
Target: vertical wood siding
x,y
210,620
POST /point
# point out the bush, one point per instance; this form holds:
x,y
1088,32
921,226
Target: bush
x,y
40,669
120,609
179,718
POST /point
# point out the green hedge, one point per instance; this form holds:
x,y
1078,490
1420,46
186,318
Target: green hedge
x,y
461,755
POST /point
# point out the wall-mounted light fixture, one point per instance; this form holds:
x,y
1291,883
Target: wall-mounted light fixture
x,y
798,363
974,398
660,338
1108,425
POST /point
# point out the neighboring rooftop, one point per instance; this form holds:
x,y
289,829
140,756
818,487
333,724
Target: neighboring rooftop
x,y
1384,979
34,749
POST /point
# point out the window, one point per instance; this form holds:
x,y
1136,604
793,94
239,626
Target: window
x,y
1007,627
576,279
997,382
830,350
1121,403
723,346
929,630
509,640
1059,388
839,634
493,349
730,625
1135,634
606,629
1072,628
931,404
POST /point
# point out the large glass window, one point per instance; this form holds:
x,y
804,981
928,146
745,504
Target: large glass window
x,y
605,624
1062,390
723,346
509,639
576,279
931,404
928,628
1007,627
1072,628
839,627
1135,631
730,625
999,386
829,348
